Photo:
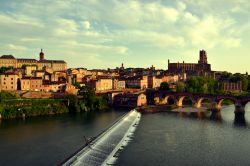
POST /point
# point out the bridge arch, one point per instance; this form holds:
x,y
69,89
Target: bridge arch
x,y
245,101
180,99
170,99
220,101
164,99
199,101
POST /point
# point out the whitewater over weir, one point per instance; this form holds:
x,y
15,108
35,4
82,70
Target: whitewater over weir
x,y
104,150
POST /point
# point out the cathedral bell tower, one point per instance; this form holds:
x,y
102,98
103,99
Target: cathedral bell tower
x,y
41,55
203,57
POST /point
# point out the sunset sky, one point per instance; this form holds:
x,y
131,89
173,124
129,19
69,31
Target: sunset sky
x,y
102,34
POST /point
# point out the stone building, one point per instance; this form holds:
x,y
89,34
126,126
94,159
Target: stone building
x,y
232,86
101,84
29,70
130,100
54,87
154,81
200,68
118,84
139,82
170,78
11,61
8,61
32,83
9,82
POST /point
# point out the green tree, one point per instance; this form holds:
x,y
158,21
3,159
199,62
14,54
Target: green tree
x,y
4,69
197,84
77,85
244,82
180,87
164,86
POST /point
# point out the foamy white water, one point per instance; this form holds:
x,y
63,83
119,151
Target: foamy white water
x,y
105,149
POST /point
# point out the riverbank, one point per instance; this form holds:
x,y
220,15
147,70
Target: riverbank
x,y
12,106
23,108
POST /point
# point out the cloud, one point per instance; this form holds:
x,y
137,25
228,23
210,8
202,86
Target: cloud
x,y
16,47
149,38
211,31
181,6
105,29
86,24
19,20
95,48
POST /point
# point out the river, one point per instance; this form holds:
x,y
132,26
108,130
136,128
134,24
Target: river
x,y
177,139
49,140
160,139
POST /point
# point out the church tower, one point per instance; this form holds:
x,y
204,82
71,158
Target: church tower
x,y
41,55
203,57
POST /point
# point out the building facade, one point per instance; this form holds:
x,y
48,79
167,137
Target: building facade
x,y
11,61
130,100
119,84
232,86
101,84
200,68
32,83
9,82
154,81
139,82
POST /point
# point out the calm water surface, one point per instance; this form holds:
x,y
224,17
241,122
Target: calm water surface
x,y
189,139
160,139
49,140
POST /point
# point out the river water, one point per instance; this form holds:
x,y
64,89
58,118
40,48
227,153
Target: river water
x,y
160,139
177,139
49,140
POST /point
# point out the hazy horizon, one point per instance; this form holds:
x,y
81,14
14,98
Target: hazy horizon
x,y
97,34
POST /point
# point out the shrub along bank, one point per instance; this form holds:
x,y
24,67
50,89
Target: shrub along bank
x,y
13,107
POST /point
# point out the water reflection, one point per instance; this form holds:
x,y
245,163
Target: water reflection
x,y
222,116
216,116
184,138
240,120
53,138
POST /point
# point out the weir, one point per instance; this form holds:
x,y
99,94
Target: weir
x,y
105,148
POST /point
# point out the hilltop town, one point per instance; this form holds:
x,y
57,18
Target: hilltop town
x,y
31,78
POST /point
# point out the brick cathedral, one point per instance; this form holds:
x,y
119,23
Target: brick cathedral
x,y
200,68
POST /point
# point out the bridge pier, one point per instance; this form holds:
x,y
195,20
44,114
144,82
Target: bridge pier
x,y
239,113
216,115
179,104
215,107
196,105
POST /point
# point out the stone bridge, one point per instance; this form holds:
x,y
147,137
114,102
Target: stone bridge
x,y
162,97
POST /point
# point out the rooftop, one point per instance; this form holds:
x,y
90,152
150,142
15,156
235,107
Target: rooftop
x,y
7,57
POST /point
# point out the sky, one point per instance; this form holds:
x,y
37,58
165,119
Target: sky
x,y
105,33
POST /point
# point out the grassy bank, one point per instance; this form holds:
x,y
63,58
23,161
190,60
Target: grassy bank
x,y
15,107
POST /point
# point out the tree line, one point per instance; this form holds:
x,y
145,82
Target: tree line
x,y
86,100
208,85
